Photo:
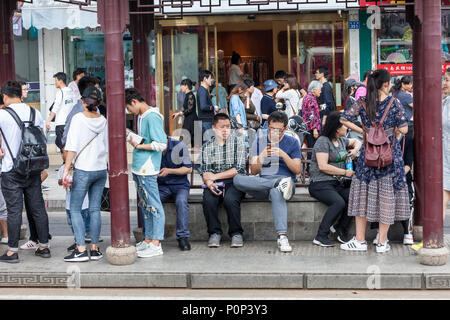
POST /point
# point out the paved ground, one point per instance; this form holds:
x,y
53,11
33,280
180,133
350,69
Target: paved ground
x,y
217,294
256,265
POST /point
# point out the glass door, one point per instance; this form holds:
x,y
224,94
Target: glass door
x,y
315,44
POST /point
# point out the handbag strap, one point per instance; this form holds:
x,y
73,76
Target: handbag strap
x,y
79,153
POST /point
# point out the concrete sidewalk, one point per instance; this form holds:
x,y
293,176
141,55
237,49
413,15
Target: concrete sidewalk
x,y
258,264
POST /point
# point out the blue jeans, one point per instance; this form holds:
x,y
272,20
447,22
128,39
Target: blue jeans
x,y
181,194
150,203
86,220
91,183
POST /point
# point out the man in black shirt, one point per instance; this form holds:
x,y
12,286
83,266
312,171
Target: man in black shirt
x,y
205,107
326,99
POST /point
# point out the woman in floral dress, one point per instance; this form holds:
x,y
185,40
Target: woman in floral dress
x,y
378,194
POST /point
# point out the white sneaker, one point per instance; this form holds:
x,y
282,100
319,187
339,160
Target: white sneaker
x,y
354,245
141,246
285,187
30,244
383,247
4,241
151,251
283,243
375,241
408,239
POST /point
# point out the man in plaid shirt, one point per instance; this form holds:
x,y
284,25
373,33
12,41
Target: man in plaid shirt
x,y
222,158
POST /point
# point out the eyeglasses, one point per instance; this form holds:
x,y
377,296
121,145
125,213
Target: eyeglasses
x,y
278,130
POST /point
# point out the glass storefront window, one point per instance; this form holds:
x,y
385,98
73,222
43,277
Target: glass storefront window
x,y
394,43
26,56
319,44
184,57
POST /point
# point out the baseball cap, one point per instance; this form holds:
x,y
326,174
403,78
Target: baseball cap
x,y
92,93
269,85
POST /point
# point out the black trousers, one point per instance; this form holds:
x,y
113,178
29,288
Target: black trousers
x,y
333,194
16,189
232,203
59,130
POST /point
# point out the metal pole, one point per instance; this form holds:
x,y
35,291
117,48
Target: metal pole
x,y
112,17
430,151
7,66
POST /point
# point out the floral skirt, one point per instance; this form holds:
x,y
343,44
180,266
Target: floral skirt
x,y
377,201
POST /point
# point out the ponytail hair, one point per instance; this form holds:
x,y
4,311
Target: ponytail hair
x,y
398,83
91,104
374,83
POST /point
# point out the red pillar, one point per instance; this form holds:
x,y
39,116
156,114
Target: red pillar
x,y
140,28
430,149
7,67
113,19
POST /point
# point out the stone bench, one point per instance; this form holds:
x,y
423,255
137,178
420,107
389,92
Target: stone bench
x,y
304,216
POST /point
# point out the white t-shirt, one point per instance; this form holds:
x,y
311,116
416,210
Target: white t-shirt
x,y
82,130
74,87
85,204
13,133
235,74
291,98
256,99
64,102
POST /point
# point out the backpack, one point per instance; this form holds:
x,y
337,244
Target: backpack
x,y
378,150
32,157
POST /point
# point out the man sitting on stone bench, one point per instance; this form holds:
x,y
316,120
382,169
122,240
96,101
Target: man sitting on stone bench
x,y
222,157
173,183
277,158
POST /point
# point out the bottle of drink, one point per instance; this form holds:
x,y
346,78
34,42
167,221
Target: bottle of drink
x,y
69,181
349,163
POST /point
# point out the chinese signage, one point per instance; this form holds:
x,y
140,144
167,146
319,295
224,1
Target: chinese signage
x,y
368,3
404,69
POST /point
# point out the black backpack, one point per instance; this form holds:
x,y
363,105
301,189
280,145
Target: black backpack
x,y
32,157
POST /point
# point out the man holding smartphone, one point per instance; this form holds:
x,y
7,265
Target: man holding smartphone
x,y
222,158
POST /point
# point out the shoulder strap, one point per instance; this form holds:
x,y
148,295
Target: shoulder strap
x,y
7,145
386,111
76,158
32,115
15,116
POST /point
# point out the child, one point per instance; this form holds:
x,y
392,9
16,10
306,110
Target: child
x,y
84,208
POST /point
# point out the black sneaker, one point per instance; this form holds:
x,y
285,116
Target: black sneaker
x,y
96,254
343,236
323,242
10,259
183,244
77,256
72,247
44,253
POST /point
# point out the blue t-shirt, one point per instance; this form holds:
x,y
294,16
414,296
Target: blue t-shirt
x,y
274,165
237,107
406,99
175,156
268,105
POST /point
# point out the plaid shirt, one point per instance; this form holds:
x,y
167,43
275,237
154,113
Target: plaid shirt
x,y
216,158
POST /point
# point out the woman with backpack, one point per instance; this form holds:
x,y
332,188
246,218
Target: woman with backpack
x,y
86,148
292,95
379,192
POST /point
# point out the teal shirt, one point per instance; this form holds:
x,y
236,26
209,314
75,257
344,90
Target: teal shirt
x,y
150,127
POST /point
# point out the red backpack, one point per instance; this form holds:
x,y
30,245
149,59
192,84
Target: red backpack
x,y
378,150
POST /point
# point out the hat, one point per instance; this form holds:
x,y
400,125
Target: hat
x,y
92,93
351,82
269,85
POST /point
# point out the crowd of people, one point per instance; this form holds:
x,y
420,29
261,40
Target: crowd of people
x,y
346,172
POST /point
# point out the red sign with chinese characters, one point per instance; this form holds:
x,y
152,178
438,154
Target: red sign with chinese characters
x,y
404,69
368,3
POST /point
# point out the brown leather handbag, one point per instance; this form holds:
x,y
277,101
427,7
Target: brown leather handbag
x,y
378,150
